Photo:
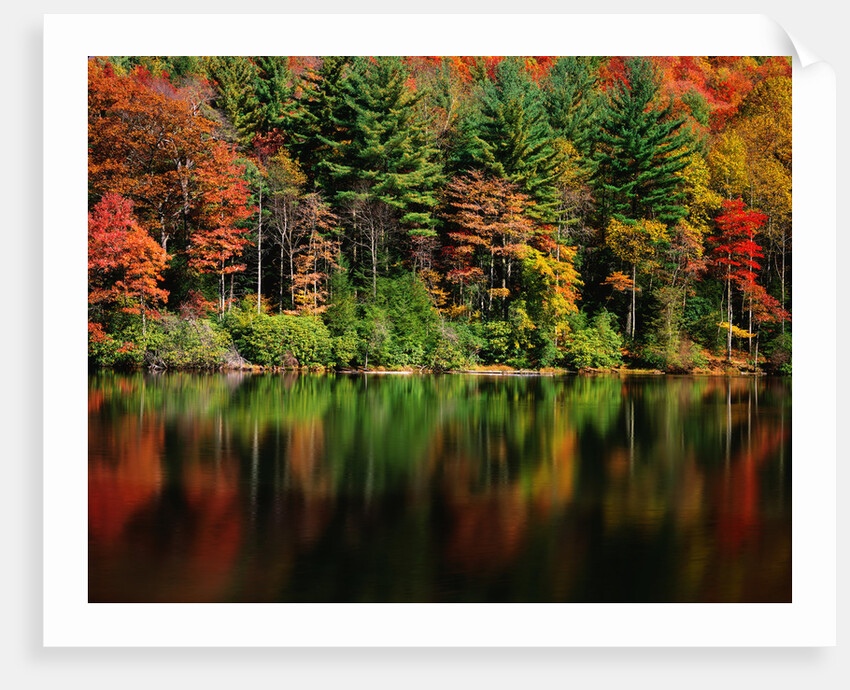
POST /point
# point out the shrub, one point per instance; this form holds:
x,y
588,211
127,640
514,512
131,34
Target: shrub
x,y
345,347
497,348
511,342
679,356
778,353
457,347
119,351
275,340
177,343
594,345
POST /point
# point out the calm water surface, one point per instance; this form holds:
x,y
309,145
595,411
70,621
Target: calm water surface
x,y
348,488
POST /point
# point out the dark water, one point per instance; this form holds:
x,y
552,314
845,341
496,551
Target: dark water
x,y
312,488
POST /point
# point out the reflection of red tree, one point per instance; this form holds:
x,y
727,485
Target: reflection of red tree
x,y
489,529
124,475
309,477
738,514
213,540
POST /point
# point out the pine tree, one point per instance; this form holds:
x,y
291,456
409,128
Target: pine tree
x,y
387,171
640,147
513,137
318,125
571,101
235,78
274,92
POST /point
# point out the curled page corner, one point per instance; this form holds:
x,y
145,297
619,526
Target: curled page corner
x,y
805,57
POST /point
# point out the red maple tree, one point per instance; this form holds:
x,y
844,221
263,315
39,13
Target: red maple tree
x,y
124,263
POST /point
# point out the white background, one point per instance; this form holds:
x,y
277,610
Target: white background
x,y
813,24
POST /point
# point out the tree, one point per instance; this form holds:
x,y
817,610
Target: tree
x,y
286,184
124,263
640,148
147,142
235,78
734,253
765,128
274,91
496,248
387,169
219,242
571,100
317,256
488,230
318,127
635,243
512,136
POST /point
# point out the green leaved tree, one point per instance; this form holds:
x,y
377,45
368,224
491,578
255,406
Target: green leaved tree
x,y
386,173
512,137
639,149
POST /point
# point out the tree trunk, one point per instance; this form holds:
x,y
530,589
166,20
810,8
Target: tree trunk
x,y
782,281
280,296
292,277
729,316
260,250
634,289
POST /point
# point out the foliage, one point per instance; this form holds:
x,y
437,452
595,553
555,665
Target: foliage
x,y
124,264
641,147
778,351
595,344
187,343
438,211
512,136
282,340
106,350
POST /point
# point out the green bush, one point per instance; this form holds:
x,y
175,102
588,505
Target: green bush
x,y
345,347
679,356
457,347
593,345
511,342
497,347
106,350
778,351
283,340
177,343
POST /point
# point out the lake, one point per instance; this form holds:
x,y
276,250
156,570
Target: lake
x,y
438,488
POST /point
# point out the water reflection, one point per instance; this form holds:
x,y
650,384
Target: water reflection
x,y
438,488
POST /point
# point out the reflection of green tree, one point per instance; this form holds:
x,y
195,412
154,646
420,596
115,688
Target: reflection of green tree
x,y
378,430
387,465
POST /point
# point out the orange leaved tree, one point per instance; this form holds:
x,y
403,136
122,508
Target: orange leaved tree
x,y
124,264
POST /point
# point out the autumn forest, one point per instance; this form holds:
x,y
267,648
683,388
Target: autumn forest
x,y
440,213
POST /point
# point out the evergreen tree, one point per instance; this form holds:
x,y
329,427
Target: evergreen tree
x,y
274,92
234,78
513,138
640,148
318,125
386,171
570,98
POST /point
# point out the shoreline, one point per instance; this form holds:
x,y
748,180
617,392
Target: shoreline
x,y
495,371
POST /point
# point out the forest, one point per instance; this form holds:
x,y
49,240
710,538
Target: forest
x,y
440,213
